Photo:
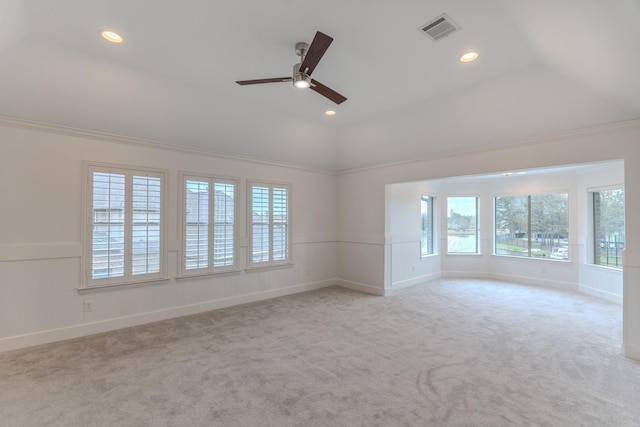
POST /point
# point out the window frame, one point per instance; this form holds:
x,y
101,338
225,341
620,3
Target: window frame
x,y
128,278
271,262
477,224
211,268
529,196
431,244
593,234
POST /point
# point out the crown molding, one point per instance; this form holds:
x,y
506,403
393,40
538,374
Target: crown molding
x,y
140,142
122,139
514,143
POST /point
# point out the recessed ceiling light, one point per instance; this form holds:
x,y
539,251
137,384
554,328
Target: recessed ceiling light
x,y
508,173
329,113
522,173
112,36
469,57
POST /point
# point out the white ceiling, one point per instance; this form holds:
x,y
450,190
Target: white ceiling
x,y
545,66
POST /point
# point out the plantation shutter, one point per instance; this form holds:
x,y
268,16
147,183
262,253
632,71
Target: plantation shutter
x,y
107,233
196,216
124,226
224,225
280,230
260,224
145,233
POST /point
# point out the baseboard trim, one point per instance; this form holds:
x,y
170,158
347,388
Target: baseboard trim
x,y
77,331
566,286
554,284
364,288
466,274
525,280
599,293
631,351
415,281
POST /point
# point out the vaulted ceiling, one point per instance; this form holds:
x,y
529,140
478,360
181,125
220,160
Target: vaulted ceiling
x,y
545,66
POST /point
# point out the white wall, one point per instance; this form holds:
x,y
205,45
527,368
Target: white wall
x,y
361,244
403,235
467,265
40,237
361,195
596,280
551,273
578,273
340,231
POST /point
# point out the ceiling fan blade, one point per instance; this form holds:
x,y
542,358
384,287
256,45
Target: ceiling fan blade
x,y
318,47
260,81
327,92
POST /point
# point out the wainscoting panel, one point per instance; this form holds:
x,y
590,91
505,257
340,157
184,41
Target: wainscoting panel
x,y
405,261
361,266
40,302
606,283
37,295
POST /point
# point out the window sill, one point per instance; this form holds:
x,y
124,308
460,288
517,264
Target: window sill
x,y
534,258
118,286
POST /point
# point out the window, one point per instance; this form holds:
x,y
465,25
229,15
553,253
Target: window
x,y
532,226
124,240
426,213
462,225
270,230
209,237
608,227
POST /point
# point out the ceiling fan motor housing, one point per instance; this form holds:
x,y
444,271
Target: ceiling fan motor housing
x,y
300,80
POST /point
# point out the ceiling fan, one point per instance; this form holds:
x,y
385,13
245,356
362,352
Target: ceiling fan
x,y
309,55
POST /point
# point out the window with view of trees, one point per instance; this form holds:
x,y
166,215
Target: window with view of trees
x,y
209,225
462,225
124,226
532,226
270,233
608,227
426,213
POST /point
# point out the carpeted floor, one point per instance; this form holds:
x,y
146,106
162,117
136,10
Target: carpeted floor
x,y
445,353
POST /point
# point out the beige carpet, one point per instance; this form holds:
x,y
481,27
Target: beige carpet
x,y
445,353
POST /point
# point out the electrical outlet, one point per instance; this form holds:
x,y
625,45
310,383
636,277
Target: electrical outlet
x,y
87,305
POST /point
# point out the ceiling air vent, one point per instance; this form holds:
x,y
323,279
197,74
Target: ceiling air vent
x,y
439,27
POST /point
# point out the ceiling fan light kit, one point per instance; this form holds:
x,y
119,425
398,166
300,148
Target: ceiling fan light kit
x,y
310,55
300,79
